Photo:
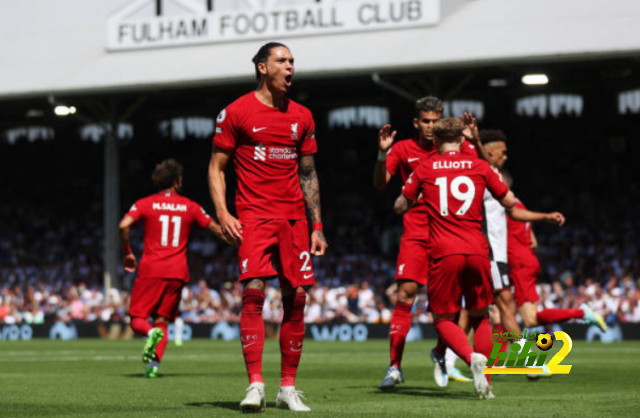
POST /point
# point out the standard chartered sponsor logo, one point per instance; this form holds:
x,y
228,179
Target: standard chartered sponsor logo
x,y
260,153
282,153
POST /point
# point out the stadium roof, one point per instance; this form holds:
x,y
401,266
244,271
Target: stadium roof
x,y
67,47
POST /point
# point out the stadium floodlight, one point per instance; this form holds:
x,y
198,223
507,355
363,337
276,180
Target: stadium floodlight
x,y
64,110
535,79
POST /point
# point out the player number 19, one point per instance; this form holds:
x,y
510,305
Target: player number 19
x,y
164,238
465,197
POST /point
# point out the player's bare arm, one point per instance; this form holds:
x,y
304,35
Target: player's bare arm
x,y
402,205
508,201
129,262
534,240
230,226
472,134
381,176
311,192
524,215
216,230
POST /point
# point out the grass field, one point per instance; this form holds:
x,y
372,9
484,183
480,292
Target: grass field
x,y
204,378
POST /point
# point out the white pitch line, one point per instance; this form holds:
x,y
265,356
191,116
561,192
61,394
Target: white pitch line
x,y
116,358
168,356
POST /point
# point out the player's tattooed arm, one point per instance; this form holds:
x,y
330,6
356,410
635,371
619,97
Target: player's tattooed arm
x,y
310,187
402,205
311,193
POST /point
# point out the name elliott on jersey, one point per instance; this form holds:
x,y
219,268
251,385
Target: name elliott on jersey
x,y
455,165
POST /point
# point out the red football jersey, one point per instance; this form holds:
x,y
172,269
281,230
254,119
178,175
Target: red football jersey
x,y
167,221
267,143
519,251
404,157
452,187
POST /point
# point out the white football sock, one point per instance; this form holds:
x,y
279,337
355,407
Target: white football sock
x,y
450,359
179,326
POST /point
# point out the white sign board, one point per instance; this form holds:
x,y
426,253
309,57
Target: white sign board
x,y
138,26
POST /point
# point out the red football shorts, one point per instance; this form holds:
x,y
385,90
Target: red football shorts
x,y
152,296
276,247
524,280
455,276
413,260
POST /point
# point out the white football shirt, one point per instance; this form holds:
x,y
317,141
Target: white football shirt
x,y
495,220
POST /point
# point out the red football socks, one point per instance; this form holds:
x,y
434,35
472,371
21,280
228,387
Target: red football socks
x,y
454,337
549,316
252,332
482,337
162,345
140,326
291,336
400,326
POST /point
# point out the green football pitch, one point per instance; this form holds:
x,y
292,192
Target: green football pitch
x,y
204,378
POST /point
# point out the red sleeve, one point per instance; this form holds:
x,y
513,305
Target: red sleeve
x,y
136,211
226,134
200,216
495,185
309,145
394,157
411,189
468,149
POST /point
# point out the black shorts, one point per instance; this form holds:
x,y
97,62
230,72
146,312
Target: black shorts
x,y
499,276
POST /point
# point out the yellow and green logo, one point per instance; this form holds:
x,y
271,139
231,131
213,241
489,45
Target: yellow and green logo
x,y
522,361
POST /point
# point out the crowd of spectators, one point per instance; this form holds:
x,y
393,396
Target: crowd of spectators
x,y
51,232
51,271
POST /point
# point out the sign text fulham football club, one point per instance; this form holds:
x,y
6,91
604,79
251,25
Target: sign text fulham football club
x,y
162,23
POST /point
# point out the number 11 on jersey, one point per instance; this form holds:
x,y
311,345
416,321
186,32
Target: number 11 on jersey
x,y
164,238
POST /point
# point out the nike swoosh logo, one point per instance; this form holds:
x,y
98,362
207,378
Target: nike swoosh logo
x,y
296,351
306,276
410,160
258,129
392,332
247,345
